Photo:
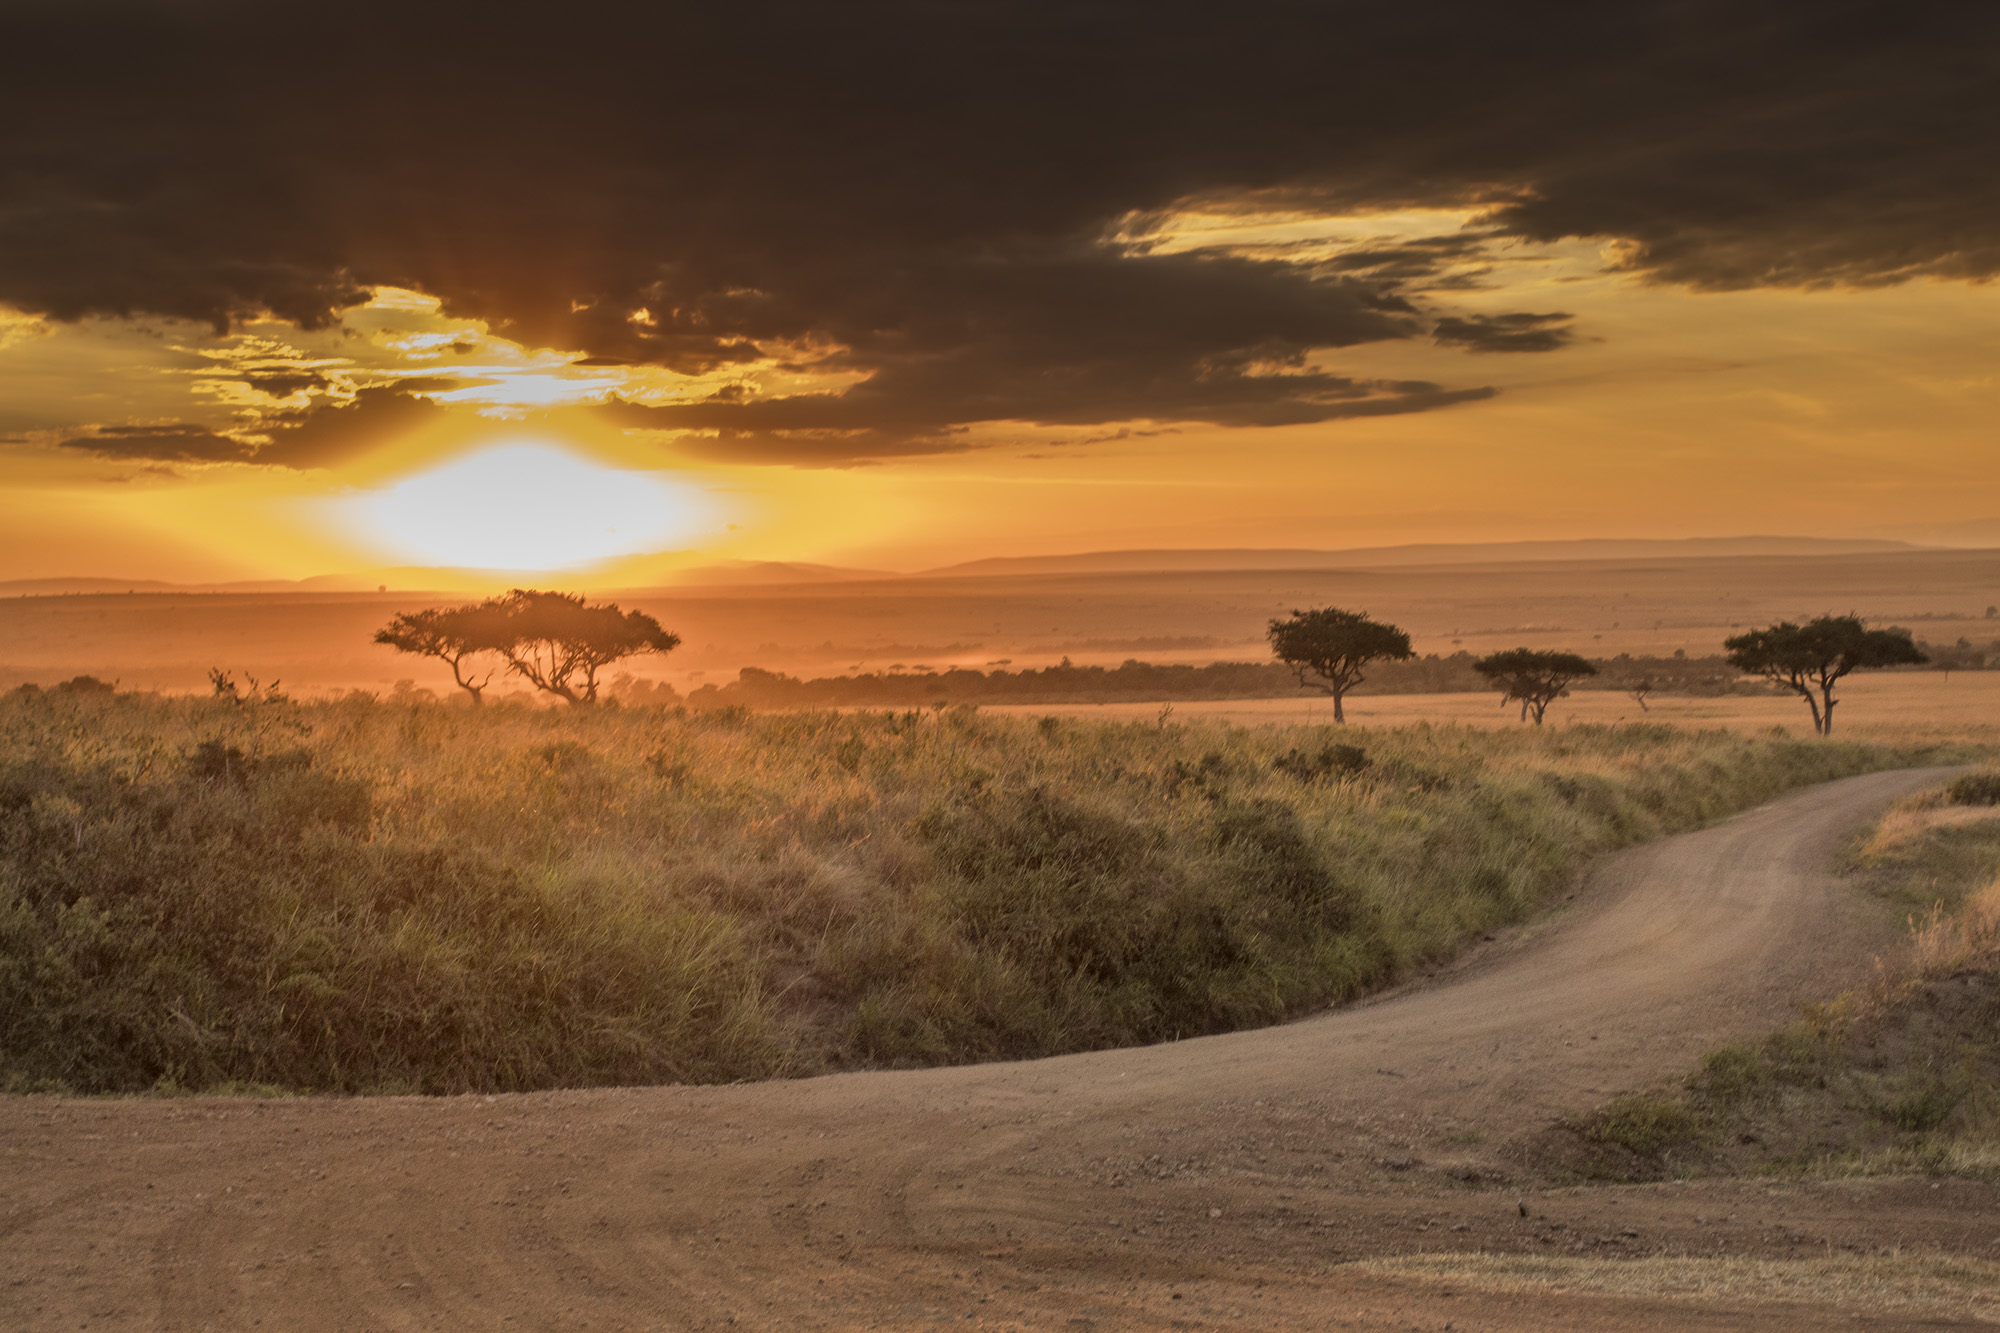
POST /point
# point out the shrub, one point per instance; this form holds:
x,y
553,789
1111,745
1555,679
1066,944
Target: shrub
x,y
1332,761
1923,1099
1643,1125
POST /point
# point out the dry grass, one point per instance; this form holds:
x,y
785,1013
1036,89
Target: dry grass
x,y
1912,819
1948,945
1960,931
1930,1286
383,896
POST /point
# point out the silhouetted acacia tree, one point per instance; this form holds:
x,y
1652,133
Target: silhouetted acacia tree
x,y
452,635
1334,645
1807,659
559,644
1535,677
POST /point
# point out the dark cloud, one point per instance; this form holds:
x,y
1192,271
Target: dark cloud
x,y
321,436
1423,262
283,383
1077,338
176,442
919,192
1504,333
329,435
873,421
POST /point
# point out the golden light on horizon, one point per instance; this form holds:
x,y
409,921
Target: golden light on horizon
x,y
527,505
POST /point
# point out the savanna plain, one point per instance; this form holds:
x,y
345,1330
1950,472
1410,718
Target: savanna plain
x,y
382,1010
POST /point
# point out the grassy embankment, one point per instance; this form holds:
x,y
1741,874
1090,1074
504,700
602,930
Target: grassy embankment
x,y
361,896
1902,1076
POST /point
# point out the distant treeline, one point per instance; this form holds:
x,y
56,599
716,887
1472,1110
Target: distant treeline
x,y
1134,681
1961,656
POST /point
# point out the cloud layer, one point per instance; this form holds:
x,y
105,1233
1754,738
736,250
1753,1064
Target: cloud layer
x,y
920,195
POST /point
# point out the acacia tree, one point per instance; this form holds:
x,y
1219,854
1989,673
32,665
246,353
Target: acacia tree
x,y
1807,659
558,643
451,635
1334,645
1535,677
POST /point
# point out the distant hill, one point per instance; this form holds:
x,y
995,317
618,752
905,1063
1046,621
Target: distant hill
x,y
1429,553
80,587
58,587
783,573
736,573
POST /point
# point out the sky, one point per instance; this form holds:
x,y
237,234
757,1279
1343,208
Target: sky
x,y
290,291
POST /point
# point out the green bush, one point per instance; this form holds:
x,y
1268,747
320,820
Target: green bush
x,y
1643,1125
1923,1099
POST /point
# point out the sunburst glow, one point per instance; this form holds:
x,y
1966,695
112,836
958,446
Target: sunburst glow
x,y
527,505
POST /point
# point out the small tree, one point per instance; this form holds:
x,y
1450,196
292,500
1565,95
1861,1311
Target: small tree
x,y
1808,659
451,635
559,644
1334,645
1534,677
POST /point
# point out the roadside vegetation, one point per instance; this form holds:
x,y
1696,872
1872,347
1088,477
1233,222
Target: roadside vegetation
x,y
364,896
1902,1076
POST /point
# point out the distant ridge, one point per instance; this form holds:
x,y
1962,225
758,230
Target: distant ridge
x,y
1428,553
48,587
433,582
85,587
733,573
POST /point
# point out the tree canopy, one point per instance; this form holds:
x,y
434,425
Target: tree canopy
x,y
555,641
1328,647
450,634
1808,659
1536,677
558,643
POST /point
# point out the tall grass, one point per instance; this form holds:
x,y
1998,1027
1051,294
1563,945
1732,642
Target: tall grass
x,y
364,896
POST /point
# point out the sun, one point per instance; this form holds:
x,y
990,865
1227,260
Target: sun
x,y
527,505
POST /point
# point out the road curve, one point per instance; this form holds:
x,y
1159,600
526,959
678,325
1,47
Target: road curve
x,y
1208,1182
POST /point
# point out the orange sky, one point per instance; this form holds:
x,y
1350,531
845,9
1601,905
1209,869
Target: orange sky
x,y
1673,413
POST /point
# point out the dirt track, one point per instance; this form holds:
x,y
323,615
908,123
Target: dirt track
x,y
1223,1182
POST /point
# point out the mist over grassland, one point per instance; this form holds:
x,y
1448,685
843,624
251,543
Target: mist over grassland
x,y
364,896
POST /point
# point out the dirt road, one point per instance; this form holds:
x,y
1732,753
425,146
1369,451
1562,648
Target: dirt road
x,y
1229,1182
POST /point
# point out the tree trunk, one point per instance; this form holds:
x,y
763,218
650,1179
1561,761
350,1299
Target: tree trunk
x,y
1339,714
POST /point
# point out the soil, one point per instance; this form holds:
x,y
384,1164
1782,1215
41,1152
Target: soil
x,y
1226,1182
